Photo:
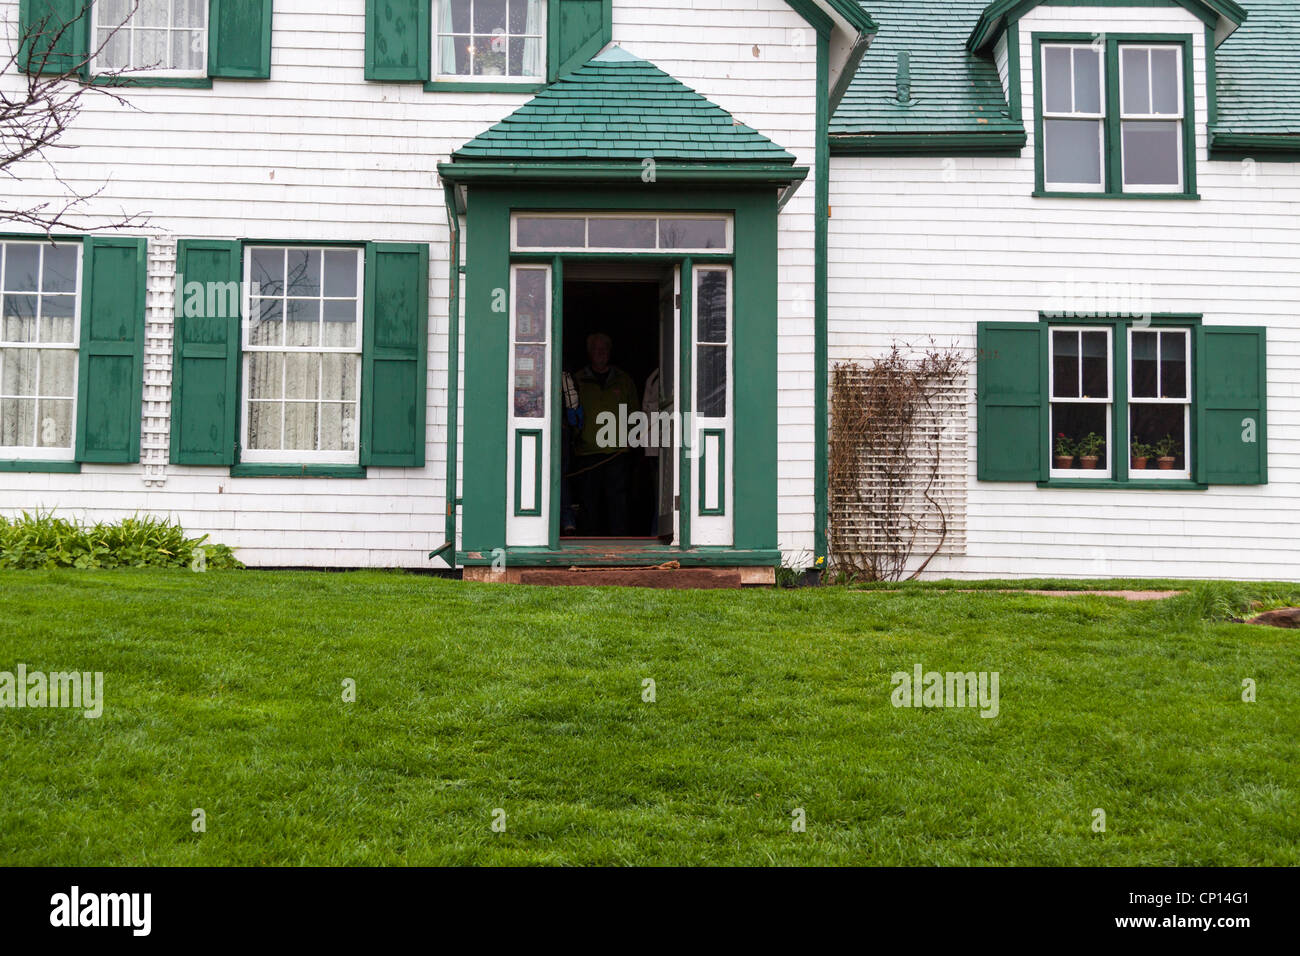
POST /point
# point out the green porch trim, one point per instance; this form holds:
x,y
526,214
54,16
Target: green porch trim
x,y
1112,174
453,371
536,435
998,15
628,172
245,470
1262,147
35,465
929,144
821,314
686,393
625,557
721,435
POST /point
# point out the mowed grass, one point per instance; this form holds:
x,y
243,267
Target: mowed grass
x,y
224,692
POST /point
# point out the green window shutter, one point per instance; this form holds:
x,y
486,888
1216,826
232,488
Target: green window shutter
x,y
205,363
54,32
1231,406
1011,390
110,381
581,29
239,39
397,40
395,354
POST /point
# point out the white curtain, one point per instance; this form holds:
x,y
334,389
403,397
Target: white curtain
x,y
446,43
534,49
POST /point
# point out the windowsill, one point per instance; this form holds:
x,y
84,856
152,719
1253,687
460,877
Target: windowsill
x,y
467,86
1044,194
176,82
1140,484
297,471
52,467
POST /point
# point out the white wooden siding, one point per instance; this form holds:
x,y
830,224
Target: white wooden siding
x,y
917,254
317,152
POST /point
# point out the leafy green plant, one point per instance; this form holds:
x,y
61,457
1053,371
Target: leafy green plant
x,y
42,541
1064,447
1140,450
1090,445
1167,447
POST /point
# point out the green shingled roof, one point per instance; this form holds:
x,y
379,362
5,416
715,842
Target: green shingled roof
x,y
1259,72
619,107
953,90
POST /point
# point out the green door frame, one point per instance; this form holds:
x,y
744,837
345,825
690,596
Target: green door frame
x,y
487,338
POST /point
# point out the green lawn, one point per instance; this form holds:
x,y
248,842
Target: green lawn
x,y
224,692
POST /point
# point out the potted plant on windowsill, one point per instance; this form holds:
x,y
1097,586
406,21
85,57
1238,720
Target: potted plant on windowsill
x,y
1166,451
1064,456
1089,450
1141,455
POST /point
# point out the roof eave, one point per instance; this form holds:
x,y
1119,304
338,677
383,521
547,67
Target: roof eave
x,y
991,21
990,143
534,171
1264,147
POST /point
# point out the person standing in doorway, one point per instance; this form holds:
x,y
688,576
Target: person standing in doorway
x,y
601,471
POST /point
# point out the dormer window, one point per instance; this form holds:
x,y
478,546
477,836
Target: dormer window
x,y
1114,116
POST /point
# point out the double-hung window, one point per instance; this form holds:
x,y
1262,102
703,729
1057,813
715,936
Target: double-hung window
x,y
489,40
1081,400
39,336
302,354
1160,401
1114,116
164,37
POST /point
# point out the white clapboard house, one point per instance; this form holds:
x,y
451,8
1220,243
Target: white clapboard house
x,y
376,235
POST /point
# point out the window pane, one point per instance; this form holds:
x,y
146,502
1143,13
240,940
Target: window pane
x,y
303,325
187,50
338,431
489,16
301,375
149,49
265,420
19,318
1164,81
530,381
526,17
152,13
1096,365
1152,156
1056,79
711,306
300,426
692,233
1154,424
1087,81
266,375
58,318
19,372
267,323
340,327
1136,79
18,418
459,19
530,305
621,234
1065,364
58,373
268,271
304,267
489,55
116,52
1076,423
1143,363
190,13
60,270
1072,151
54,423
341,274
534,232
22,261
1173,365
711,381
339,377
112,12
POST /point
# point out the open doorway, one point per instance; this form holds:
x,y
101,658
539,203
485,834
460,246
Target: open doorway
x,y
616,334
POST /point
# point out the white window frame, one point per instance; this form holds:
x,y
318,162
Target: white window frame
x,y
289,456
1099,118
531,530
1155,473
441,76
726,249
713,529
1098,474
1176,120
39,452
98,38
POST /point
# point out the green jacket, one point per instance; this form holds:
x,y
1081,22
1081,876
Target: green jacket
x,y
619,389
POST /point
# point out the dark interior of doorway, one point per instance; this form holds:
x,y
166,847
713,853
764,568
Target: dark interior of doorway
x,y
627,310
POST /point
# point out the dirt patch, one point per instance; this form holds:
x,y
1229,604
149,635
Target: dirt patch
x,y
1125,595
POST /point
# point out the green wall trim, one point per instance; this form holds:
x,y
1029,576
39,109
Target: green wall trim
x,y
629,557
686,393
1261,147
453,369
463,86
1044,194
625,173
536,510
297,471
1150,484
929,144
146,82
821,319
721,435
52,467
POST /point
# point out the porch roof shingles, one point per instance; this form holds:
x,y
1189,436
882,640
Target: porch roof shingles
x,y
619,107
1258,70
955,91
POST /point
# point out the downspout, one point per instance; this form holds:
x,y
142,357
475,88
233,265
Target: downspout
x,y
453,372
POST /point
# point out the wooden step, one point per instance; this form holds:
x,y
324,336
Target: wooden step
x,y
692,579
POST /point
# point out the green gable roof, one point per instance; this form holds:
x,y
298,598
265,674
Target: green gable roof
x,y
954,93
1259,76
617,107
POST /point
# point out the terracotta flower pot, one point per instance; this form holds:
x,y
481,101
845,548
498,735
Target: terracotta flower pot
x,y
1062,462
1089,461
1138,464
1166,463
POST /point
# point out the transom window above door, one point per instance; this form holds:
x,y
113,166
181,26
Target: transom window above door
x,y
489,40
163,37
1113,116
621,232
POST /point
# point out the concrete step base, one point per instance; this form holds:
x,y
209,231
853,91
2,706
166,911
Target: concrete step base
x,y
689,579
